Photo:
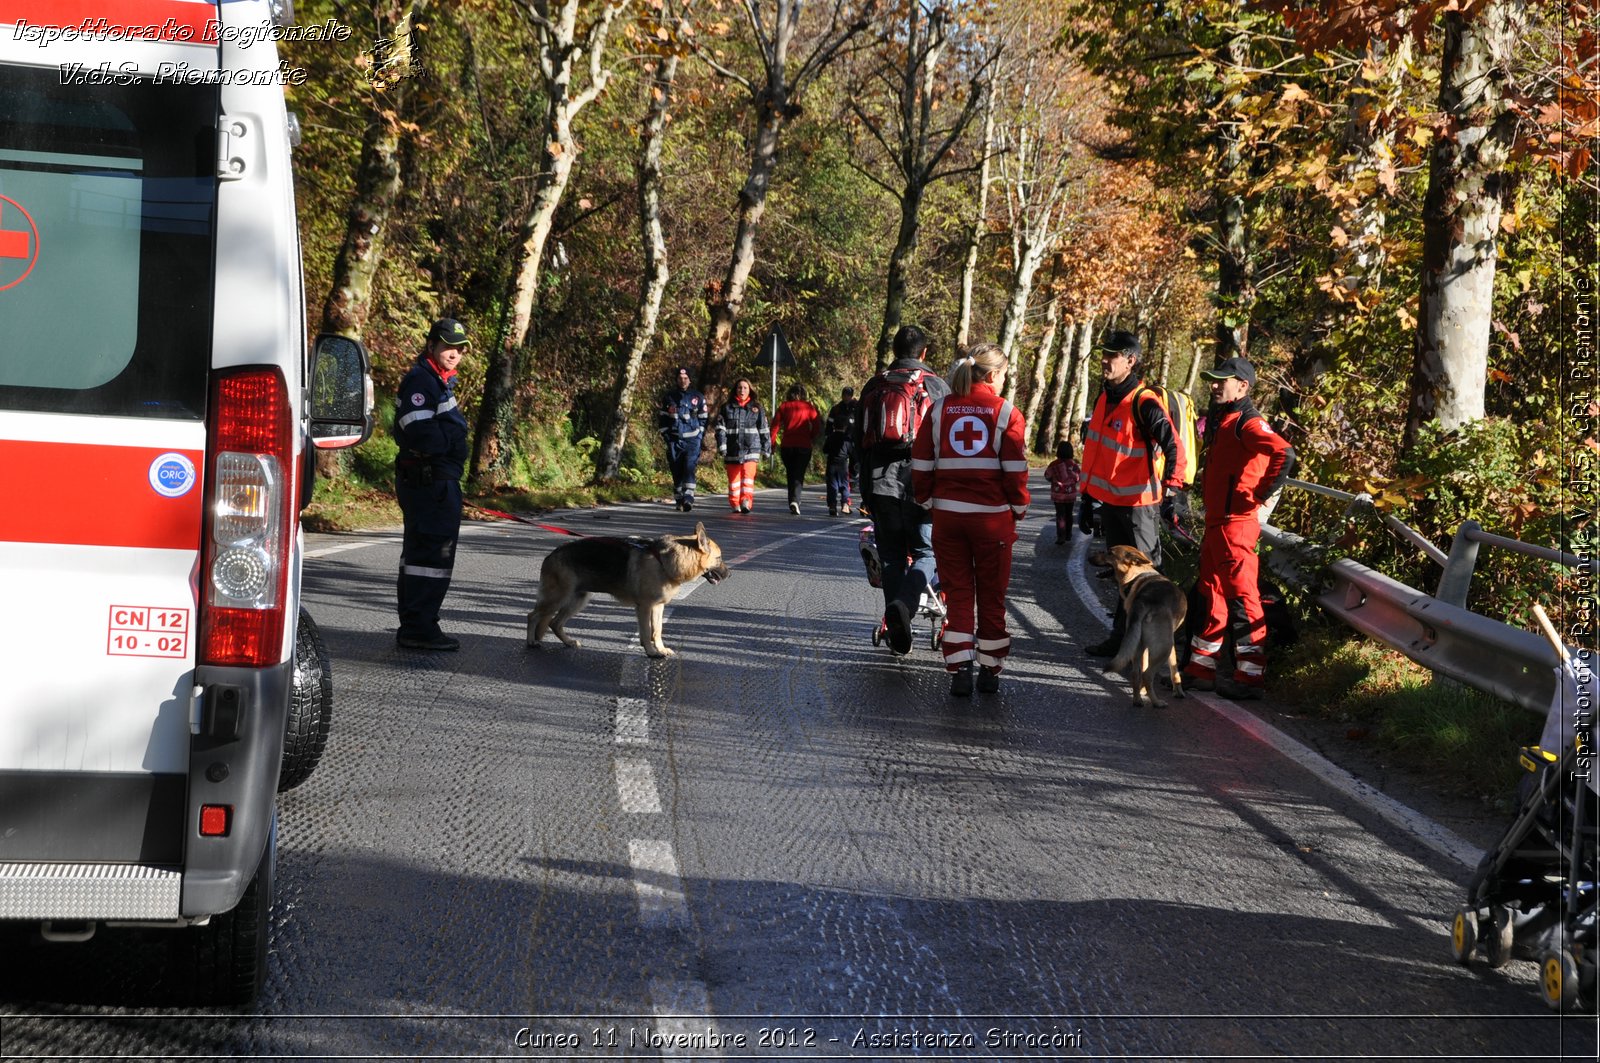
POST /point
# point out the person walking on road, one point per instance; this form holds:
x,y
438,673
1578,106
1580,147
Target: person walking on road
x,y
838,451
893,404
1130,464
969,466
1063,475
1246,461
681,419
794,432
743,439
432,434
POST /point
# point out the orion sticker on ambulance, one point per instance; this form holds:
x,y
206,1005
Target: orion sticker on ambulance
x,y
148,631
172,475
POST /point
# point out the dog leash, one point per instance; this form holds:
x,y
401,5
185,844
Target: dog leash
x,y
500,514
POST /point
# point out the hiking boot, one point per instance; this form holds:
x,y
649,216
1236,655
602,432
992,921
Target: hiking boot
x,y
440,642
833,511
794,507
1107,648
988,680
745,508
961,682
1240,691
898,619
688,504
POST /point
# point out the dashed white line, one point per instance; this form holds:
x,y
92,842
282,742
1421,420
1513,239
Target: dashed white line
x,y
636,786
633,722
656,884
680,1011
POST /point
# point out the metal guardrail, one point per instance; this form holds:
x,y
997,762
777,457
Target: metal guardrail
x,y
1438,631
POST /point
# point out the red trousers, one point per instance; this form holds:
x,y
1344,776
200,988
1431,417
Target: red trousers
x,y
1232,600
973,555
741,483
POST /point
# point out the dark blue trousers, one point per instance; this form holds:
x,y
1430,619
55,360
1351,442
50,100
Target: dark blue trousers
x,y
432,514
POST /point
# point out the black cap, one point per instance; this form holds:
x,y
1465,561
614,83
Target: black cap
x,y
450,332
1229,368
1121,341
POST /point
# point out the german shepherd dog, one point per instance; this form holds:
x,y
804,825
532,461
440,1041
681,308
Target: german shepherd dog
x,y
644,573
1154,607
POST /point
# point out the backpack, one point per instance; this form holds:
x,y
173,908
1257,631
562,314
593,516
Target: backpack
x,y
1180,411
892,408
840,420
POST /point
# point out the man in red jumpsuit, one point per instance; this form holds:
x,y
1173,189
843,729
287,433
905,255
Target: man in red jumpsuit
x,y
1245,463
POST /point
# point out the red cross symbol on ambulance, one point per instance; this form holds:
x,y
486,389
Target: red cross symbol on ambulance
x,y
17,246
969,436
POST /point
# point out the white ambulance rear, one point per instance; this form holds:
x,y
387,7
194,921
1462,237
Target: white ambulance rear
x,y
157,408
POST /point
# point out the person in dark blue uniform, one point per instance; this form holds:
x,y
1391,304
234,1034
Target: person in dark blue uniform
x,y
433,453
681,419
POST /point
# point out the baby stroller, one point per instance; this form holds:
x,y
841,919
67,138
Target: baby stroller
x,y
1533,895
931,606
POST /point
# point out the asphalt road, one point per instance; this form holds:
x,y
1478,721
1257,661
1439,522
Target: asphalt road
x,y
783,843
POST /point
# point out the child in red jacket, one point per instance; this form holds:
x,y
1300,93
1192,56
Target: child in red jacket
x,y
1063,474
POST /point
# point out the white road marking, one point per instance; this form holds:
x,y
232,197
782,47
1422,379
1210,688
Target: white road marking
x,y
636,786
339,548
1436,837
633,722
656,884
679,1009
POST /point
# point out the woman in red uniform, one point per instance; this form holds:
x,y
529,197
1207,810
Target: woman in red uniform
x,y
969,464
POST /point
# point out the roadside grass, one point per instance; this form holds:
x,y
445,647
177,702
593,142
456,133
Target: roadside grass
x,y
1464,740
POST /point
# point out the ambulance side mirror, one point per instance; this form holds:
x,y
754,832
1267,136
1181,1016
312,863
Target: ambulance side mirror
x,y
341,393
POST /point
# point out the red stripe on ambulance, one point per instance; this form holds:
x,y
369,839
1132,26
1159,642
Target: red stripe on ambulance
x,y
78,494
155,20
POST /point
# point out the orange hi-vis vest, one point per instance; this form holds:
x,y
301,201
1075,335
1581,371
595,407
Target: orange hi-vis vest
x,y
1119,468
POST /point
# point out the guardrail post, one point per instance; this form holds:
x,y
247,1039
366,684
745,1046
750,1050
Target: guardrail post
x,y
1456,580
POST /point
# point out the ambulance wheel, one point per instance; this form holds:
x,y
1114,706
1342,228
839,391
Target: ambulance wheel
x,y
1464,935
310,715
224,962
1497,936
1558,979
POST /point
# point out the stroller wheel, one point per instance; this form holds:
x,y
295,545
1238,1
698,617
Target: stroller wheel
x,y
1464,935
1497,936
1558,979
877,635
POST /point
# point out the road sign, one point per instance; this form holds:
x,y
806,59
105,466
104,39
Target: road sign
x,y
775,350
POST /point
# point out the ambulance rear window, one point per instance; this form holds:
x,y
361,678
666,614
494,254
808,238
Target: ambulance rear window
x,y
107,201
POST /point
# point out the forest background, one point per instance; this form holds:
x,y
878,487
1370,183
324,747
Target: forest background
x,y
1391,207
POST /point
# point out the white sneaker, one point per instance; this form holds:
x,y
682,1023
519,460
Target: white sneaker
x,y
794,507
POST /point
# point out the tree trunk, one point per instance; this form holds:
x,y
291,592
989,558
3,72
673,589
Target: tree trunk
x,y
1078,406
980,221
1029,258
653,244
1235,265
560,51
1461,219
725,302
1041,365
904,246
1055,405
378,183
1194,369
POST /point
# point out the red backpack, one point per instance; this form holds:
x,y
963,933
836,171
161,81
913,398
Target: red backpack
x,y
892,408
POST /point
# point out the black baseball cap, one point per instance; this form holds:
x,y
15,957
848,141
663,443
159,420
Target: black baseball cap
x,y
450,332
1229,368
1121,341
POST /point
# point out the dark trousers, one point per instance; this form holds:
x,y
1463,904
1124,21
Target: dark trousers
x,y
1135,526
1064,519
904,533
432,514
838,482
795,462
683,456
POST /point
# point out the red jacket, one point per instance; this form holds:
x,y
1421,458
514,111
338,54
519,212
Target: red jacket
x,y
1244,463
796,425
970,457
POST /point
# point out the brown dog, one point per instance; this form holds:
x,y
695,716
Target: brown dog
x,y
1154,607
644,573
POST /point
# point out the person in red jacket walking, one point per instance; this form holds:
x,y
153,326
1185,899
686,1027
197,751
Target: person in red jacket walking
x,y
794,431
1245,463
969,465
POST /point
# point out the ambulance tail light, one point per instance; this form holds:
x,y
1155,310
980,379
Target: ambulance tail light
x,y
246,565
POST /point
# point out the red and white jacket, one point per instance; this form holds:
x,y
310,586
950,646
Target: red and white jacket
x,y
970,457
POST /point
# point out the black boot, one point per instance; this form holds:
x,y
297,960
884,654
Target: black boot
x,y
961,681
